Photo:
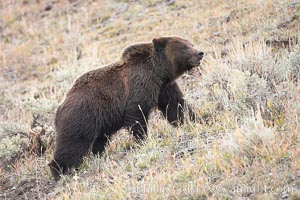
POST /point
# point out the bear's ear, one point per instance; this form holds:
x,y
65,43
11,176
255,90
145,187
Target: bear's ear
x,y
159,43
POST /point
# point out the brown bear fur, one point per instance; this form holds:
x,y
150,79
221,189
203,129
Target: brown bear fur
x,y
122,94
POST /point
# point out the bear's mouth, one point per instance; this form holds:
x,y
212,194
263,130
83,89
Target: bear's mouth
x,y
196,63
192,65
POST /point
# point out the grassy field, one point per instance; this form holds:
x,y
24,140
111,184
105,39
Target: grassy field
x,y
246,144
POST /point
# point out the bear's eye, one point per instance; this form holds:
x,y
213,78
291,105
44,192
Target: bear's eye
x,y
184,47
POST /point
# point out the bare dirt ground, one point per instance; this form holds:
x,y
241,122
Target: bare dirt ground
x,y
30,188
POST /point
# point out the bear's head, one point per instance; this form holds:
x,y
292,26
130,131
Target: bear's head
x,y
180,54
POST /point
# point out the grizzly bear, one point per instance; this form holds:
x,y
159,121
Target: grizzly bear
x,y
121,95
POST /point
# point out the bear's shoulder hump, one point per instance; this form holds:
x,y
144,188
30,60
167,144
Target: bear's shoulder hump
x,y
139,49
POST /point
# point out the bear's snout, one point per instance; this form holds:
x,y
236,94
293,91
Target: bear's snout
x,y
200,55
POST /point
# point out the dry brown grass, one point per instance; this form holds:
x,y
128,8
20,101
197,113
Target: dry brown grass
x,y
247,144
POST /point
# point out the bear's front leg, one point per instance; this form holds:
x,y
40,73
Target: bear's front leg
x,y
135,119
99,144
139,132
172,104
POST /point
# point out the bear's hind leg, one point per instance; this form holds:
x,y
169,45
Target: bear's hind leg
x,y
68,154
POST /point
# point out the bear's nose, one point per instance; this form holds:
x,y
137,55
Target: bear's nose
x,y
201,54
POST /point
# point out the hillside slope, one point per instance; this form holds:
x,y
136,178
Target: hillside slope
x,y
246,92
